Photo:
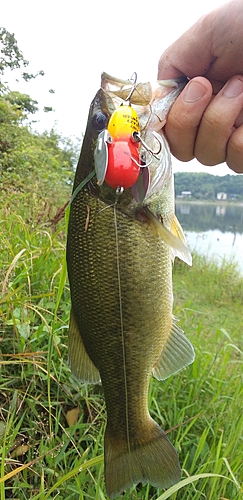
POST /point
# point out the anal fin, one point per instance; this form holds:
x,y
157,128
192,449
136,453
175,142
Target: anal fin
x,y
81,365
176,354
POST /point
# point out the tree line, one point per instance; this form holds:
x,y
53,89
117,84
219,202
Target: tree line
x,y
204,186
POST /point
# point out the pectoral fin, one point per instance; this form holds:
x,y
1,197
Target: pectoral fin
x,y
175,239
177,230
177,353
81,365
140,187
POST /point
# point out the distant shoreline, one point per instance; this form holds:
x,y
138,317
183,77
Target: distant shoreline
x,y
209,202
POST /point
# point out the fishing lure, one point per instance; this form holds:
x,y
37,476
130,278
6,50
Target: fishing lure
x,y
120,154
117,158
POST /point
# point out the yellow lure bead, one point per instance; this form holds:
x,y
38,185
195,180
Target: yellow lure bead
x,y
123,122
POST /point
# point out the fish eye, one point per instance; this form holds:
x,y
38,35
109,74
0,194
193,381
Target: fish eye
x,y
100,120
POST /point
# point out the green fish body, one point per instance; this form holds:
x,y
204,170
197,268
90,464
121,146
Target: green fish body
x,y
119,256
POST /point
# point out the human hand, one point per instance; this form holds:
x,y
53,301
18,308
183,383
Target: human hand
x,y
206,120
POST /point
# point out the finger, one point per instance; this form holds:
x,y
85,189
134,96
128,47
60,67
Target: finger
x,y
185,56
167,70
185,116
218,123
239,119
234,156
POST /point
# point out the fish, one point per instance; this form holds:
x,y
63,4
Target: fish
x,y
121,245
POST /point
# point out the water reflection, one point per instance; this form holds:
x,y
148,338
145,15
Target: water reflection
x,y
213,230
220,211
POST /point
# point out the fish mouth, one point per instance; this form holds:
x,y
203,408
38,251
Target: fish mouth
x,y
127,90
140,94
151,103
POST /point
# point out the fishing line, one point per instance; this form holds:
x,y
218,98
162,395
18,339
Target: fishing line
x,y
121,321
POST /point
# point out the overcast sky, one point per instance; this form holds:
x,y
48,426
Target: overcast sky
x,y
74,41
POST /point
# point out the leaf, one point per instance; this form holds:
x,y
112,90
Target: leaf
x,y
2,427
187,481
24,330
72,416
19,451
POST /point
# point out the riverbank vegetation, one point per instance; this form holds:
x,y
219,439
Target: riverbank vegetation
x,y
52,427
33,165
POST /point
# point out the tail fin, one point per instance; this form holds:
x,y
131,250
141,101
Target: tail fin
x,y
151,459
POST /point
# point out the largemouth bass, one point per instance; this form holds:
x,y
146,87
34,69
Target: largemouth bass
x,y
120,248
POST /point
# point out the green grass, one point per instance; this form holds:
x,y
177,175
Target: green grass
x,y
42,457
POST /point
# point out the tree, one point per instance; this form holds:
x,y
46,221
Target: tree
x,y
12,58
31,163
206,186
23,102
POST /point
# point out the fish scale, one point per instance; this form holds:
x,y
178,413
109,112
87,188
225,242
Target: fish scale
x,y
119,256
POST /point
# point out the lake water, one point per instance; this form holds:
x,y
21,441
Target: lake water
x,y
213,230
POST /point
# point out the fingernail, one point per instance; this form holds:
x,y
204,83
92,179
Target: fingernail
x,y
193,92
233,88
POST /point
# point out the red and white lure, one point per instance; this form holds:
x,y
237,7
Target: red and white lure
x,y
117,159
123,152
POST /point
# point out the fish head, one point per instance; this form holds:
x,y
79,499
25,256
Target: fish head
x,y
151,103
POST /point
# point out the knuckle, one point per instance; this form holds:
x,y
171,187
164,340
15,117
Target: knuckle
x,y
208,161
210,153
182,155
236,143
179,121
233,165
235,151
213,121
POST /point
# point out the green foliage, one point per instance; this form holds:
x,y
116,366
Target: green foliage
x,y
10,55
32,163
12,58
23,102
47,109
42,455
206,186
29,76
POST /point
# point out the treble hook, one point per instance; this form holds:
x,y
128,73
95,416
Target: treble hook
x,y
143,165
137,138
133,80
